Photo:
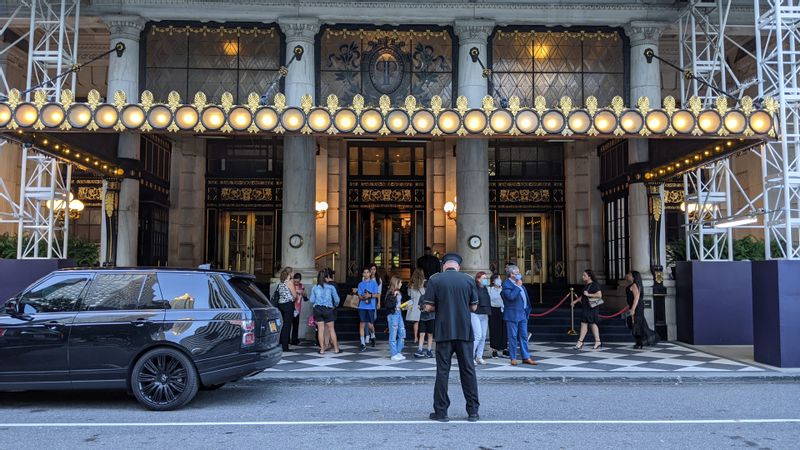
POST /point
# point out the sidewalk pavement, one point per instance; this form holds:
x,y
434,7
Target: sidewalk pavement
x,y
558,362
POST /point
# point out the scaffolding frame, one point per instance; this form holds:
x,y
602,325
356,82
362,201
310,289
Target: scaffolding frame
x,y
778,58
52,38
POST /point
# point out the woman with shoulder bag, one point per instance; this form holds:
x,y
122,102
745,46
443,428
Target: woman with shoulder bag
x,y
591,299
286,296
325,298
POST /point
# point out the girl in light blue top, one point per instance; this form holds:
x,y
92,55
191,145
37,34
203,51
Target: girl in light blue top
x,y
325,298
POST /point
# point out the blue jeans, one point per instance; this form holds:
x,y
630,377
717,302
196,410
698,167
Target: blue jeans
x,y
518,336
397,332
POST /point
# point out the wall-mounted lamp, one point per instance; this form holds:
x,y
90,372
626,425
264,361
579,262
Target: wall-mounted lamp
x,y
322,208
450,210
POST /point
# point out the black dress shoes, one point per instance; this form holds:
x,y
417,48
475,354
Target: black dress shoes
x,y
439,417
473,417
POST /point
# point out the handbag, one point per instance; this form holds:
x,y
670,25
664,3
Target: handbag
x,y
595,302
351,302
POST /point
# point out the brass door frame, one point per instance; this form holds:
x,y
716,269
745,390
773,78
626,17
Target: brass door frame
x,y
246,263
538,274
386,247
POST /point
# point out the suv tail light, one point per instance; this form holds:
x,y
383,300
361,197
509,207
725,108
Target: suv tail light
x,y
248,332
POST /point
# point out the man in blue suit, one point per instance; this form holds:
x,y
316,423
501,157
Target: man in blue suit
x,y
515,314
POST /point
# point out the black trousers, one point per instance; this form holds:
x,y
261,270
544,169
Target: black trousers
x,y
295,328
498,335
466,370
287,314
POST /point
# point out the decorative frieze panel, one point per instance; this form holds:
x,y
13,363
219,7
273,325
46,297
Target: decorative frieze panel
x,y
525,194
383,194
250,194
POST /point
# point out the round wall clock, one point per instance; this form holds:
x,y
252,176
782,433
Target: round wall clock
x,y
474,242
296,241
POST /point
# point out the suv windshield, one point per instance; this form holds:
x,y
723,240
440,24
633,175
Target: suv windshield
x,y
249,292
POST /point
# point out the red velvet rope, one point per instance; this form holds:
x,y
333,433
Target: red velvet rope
x,y
615,314
549,311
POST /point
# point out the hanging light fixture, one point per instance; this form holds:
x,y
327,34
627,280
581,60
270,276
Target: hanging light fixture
x,y
371,120
132,116
657,121
106,116
266,118
79,115
449,122
760,122
527,121
423,121
475,121
52,115
213,118
631,121
735,122
579,121
345,120
683,122
319,120
501,121
26,115
240,118
186,117
709,121
605,122
397,121
159,117
553,122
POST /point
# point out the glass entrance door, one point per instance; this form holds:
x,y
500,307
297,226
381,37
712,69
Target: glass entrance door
x,y
521,240
390,242
249,243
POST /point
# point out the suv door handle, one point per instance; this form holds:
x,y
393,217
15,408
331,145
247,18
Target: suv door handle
x,y
53,324
140,322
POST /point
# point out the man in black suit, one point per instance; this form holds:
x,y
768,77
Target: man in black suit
x,y
429,263
453,295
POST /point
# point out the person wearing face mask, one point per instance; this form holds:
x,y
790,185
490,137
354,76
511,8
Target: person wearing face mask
x,y
515,314
498,336
480,317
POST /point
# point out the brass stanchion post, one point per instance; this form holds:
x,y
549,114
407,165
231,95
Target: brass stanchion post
x,y
572,331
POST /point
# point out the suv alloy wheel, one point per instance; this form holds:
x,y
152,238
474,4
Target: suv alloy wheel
x,y
164,379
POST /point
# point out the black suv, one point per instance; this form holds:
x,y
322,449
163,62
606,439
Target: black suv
x,y
162,334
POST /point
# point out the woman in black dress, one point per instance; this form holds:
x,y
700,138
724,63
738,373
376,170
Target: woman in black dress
x,y
636,321
590,316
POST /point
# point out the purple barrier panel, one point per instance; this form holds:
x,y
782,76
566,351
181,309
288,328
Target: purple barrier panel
x,y
714,303
17,274
776,309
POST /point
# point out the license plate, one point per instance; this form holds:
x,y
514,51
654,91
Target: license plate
x,y
273,326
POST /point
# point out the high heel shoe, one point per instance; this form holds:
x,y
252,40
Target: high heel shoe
x,y
597,345
579,345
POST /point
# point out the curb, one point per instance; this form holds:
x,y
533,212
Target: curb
x,y
383,378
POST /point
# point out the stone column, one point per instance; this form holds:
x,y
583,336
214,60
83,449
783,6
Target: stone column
x,y
123,75
645,82
472,155
299,160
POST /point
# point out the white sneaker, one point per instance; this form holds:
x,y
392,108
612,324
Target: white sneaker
x,y
402,358
397,357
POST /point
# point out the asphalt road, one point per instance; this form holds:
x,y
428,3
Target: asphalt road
x,y
269,414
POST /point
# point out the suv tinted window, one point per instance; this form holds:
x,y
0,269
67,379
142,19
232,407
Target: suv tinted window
x,y
193,291
249,292
151,295
111,292
58,293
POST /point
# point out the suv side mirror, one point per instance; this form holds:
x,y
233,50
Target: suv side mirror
x,y
11,307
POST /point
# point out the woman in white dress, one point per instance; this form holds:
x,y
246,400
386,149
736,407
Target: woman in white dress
x,y
415,291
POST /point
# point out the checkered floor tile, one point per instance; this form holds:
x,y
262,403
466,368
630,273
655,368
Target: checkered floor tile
x,y
551,356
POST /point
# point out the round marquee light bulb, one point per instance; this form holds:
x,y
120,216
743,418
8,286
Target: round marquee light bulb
x,y
631,121
79,116
709,121
186,117
5,115
397,121
605,122
266,119
26,115
106,116
553,122
657,121
501,121
292,119
132,116
527,121
475,121
319,120
240,118
449,122
735,122
683,122
52,116
345,120
159,117
371,120
760,122
579,121
423,121
213,118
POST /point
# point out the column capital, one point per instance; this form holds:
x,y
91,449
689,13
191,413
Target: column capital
x,y
473,31
641,32
302,29
124,26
